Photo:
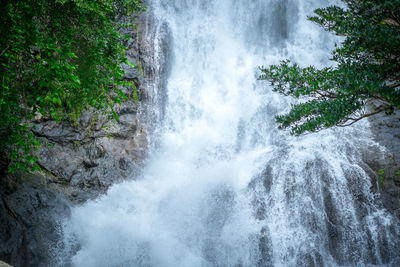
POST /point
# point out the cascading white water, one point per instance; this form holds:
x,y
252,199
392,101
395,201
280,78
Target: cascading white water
x,y
223,187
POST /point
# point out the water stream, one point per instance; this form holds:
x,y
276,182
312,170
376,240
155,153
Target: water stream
x,y
223,186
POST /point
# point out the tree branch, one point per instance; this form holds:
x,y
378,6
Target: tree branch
x,y
395,17
2,52
394,85
326,94
354,120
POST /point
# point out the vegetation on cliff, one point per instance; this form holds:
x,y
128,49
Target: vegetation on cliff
x,y
366,79
57,57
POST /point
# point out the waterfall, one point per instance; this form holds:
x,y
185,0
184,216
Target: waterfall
x,y
223,186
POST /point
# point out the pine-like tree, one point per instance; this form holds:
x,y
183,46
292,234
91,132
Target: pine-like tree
x,y
366,80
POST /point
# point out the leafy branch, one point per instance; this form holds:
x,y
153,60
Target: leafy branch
x,y
58,58
368,67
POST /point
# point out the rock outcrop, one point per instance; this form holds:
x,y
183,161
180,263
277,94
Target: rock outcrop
x,y
31,211
386,164
93,154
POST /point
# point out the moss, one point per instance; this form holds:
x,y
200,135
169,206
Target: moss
x,y
397,174
38,177
141,71
27,177
77,143
381,178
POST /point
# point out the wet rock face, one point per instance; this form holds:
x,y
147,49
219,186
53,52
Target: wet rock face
x,y
385,165
31,210
94,154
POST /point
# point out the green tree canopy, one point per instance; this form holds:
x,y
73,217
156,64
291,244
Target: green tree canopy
x,y
57,57
366,80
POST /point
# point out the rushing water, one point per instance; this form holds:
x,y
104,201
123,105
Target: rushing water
x,y
222,186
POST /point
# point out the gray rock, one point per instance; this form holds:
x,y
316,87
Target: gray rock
x,y
130,72
31,213
386,164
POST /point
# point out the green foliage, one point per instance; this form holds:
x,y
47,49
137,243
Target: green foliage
x,y
57,57
381,178
368,68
